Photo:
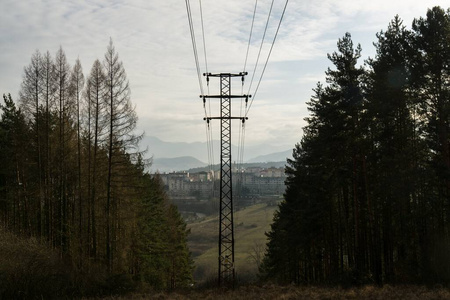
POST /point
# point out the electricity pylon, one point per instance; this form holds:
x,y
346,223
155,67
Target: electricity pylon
x,y
226,227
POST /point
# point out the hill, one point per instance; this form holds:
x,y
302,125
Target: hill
x,y
251,223
158,148
275,164
272,157
175,164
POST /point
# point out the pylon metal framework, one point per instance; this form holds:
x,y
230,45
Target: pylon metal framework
x,y
226,275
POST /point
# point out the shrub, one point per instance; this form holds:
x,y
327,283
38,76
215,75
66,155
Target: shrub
x,y
29,270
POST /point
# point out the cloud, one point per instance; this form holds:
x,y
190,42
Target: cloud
x,y
154,43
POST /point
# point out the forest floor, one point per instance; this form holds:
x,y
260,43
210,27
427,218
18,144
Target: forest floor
x,y
293,292
250,225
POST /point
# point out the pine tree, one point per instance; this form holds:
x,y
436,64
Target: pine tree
x,y
160,254
180,269
431,73
391,159
14,135
325,215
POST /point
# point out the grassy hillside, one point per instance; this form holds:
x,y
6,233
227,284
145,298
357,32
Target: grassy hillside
x,y
251,223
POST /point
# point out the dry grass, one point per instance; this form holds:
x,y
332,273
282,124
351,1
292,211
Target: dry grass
x,y
293,292
32,270
29,269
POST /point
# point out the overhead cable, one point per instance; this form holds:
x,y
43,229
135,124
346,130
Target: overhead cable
x,y
241,128
260,48
268,56
194,45
250,37
203,34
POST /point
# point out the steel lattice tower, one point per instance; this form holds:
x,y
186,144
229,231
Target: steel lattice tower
x,y
226,273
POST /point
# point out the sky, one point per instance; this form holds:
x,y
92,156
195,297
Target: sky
x,y
153,41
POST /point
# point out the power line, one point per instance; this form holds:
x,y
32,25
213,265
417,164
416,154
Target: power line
x,y
250,37
268,56
209,140
260,47
208,145
194,45
203,34
242,128
209,126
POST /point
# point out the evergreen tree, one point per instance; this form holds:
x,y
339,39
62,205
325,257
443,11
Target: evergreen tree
x,y
367,190
326,179
431,73
160,252
179,273
391,161
14,135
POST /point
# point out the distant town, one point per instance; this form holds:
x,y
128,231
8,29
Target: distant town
x,y
197,193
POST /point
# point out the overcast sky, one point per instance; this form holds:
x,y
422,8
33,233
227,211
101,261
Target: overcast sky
x,y
153,41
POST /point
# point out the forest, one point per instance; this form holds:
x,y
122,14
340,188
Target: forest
x,y
368,188
73,182
367,196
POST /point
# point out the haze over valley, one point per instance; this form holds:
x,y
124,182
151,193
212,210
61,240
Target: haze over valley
x,y
178,156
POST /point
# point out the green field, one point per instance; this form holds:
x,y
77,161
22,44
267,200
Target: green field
x,y
251,223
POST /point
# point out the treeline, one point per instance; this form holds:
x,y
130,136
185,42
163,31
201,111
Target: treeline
x,y
368,188
72,175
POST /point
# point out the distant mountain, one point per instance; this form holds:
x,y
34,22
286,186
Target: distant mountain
x,y
158,148
276,164
272,157
164,165
161,149
174,156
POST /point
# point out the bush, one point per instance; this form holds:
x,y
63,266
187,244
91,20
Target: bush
x,y
29,270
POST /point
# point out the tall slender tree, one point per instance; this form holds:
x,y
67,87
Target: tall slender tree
x,y
95,91
62,83
121,124
29,94
56,156
77,83
431,80
48,94
14,138
325,218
